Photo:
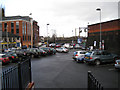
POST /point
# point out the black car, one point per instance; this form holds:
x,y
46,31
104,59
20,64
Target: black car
x,y
48,50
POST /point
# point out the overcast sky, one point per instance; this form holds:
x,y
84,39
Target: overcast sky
x,y
62,15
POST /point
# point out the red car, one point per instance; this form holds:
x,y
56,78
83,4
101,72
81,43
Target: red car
x,y
57,46
4,59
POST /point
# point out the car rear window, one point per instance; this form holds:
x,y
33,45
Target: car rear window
x,y
82,52
75,52
88,53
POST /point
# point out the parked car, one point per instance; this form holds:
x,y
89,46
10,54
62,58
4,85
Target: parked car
x,y
35,52
80,58
22,54
52,45
100,56
4,59
78,54
58,46
117,64
48,50
77,46
62,49
12,56
53,50
43,53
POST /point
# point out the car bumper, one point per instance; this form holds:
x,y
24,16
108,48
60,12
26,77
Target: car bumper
x,y
117,66
89,61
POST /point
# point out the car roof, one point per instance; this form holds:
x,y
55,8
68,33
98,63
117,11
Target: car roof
x,y
2,54
81,51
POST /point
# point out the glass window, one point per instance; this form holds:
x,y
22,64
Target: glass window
x,y
12,24
17,38
12,31
17,24
23,27
5,25
23,38
17,31
0,26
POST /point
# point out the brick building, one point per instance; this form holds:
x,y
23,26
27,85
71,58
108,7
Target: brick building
x,y
110,33
35,33
21,26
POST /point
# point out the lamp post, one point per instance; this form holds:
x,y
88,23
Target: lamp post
x,y
98,9
47,34
31,22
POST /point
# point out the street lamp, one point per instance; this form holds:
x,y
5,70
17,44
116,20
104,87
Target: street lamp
x,y
31,22
98,9
47,34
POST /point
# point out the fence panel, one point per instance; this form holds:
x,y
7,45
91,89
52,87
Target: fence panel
x,y
18,76
93,83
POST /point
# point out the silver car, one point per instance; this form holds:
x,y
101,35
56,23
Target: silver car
x,y
117,64
100,56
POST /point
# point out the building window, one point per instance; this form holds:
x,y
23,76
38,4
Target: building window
x,y
12,31
17,31
23,27
17,38
12,24
23,38
0,26
5,25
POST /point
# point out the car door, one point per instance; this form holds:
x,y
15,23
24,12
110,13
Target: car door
x,y
106,57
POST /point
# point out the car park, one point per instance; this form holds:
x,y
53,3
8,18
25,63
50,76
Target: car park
x,y
62,49
4,59
79,54
117,64
99,56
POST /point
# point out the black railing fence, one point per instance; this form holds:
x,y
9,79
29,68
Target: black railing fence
x,y
93,83
17,77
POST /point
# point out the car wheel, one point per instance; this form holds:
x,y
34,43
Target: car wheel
x,y
97,62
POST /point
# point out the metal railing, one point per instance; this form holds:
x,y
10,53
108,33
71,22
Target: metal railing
x,y
93,83
17,77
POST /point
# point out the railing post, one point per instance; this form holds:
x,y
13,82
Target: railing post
x,y
89,72
30,69
19,76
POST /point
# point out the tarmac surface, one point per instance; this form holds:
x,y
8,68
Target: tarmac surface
x,y
61,71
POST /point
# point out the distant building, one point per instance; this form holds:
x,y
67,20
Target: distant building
x,y
18,31
35,33
19,26
110,32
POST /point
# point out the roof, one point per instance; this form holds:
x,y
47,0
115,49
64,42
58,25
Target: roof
x,y
105,22
16,18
